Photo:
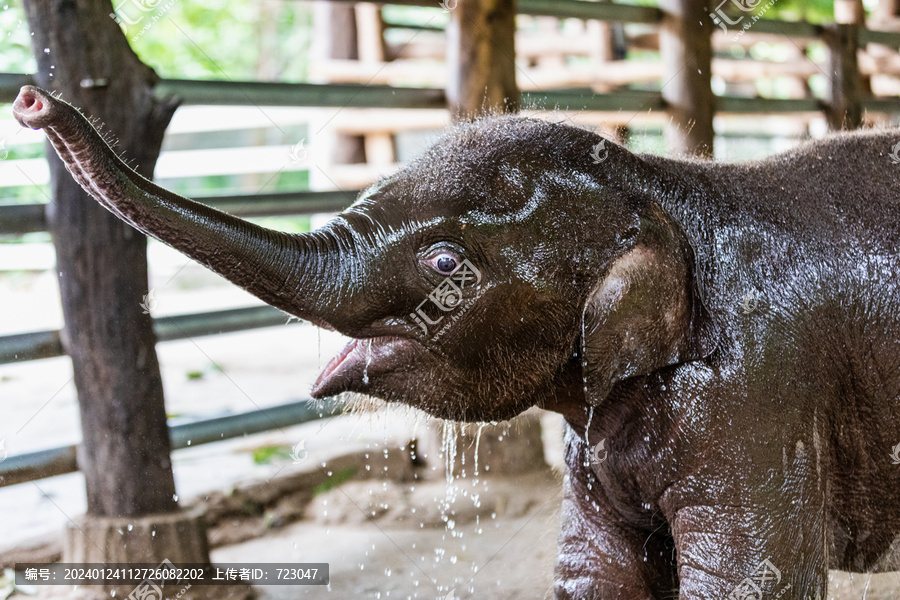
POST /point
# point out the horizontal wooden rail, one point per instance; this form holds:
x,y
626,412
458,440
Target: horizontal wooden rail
x,y
48,344
59,461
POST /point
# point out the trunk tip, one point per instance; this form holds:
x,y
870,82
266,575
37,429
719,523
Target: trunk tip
x,y
31,107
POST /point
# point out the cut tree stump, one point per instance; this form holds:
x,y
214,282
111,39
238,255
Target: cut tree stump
x,y
179,537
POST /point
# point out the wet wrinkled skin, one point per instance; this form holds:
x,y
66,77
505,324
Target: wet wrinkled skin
x,y
731,332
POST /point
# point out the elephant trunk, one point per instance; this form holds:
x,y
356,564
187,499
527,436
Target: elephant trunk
x,y
299,274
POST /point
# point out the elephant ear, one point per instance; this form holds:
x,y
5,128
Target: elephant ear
x,y
645,313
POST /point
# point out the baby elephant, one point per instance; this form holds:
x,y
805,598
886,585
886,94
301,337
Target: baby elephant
x,y
723,340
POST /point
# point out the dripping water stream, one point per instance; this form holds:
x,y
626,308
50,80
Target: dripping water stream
x,y
319,346
368,360
587,429
481,427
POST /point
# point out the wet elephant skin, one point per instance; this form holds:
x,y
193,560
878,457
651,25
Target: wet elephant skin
x,y
722,339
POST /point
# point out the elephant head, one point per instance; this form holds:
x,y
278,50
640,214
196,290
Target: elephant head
x,y
502,269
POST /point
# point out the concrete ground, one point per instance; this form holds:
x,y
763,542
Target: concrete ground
x,y
476,556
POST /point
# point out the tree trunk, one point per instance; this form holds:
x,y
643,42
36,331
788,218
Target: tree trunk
x,y
102,262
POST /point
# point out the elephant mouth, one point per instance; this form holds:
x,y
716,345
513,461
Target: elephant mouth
x,y
353,368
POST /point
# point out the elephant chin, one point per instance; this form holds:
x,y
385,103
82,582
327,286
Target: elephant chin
x,y
363,360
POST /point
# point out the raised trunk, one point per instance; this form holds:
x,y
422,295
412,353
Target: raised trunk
x,y
300,274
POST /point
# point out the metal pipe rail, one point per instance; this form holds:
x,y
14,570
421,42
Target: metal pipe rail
x,y
48,344
28,218
248,93
59,461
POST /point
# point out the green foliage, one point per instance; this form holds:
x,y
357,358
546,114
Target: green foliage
x,y
295,224
209,369
335,480
816,11
15,40
266,454
226,39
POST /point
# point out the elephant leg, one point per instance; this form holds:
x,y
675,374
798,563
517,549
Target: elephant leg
x,y
737,553
600,558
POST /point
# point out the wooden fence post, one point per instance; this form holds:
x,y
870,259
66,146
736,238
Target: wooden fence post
x,y
481,56
686,48
844,109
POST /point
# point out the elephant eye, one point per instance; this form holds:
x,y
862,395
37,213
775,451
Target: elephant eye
x,y
444,263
